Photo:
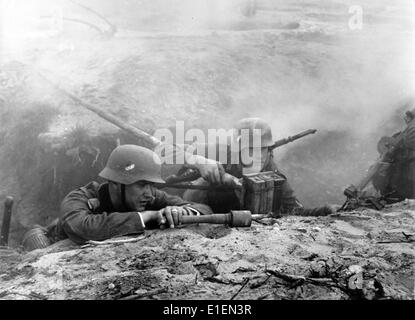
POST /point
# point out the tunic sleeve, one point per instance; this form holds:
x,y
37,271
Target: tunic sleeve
x,y
81,224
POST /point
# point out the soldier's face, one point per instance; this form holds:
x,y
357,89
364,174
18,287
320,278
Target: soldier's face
x,y
253,160
137,195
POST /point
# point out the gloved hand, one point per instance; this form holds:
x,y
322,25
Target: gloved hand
x,y
211,170
231,181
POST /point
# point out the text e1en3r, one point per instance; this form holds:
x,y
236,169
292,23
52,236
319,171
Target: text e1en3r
x,y
229,309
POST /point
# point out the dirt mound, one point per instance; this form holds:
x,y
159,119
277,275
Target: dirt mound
x,y
364,254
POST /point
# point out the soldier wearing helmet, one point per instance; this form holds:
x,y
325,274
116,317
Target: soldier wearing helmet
x,y
125,204
398,181
251,161
254,157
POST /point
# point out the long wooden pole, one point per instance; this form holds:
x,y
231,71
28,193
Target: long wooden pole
x,y
107,116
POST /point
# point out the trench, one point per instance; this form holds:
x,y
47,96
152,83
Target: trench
x,y
39,172
44,170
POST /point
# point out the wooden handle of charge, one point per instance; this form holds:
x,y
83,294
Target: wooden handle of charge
x,y
211,218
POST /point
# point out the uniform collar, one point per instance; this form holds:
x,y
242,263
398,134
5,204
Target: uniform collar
x,y
104,198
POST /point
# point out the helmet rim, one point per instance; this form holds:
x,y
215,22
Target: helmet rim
x,y
115,176
128,164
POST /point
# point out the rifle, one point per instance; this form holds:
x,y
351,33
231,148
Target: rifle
x,y
287,140
186,174
154,142
355,194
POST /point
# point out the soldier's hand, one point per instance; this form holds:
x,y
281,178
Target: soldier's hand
x,y
231,181
212,171
171,216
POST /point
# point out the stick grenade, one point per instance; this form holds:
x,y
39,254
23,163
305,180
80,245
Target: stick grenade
x,y
235,218
4,237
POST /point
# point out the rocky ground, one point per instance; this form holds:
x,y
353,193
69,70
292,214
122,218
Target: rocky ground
x,y
363,254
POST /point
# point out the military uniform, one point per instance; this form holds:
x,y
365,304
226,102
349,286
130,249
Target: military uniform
x,y
88,214
399,180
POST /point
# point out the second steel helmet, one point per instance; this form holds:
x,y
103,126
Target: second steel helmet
x,y
128,164
255,123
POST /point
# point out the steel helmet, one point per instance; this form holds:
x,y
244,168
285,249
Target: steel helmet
x,y
255,123
128,164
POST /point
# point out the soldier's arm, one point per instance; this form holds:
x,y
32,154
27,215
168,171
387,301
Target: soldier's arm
x,y
290,205
206,159
81,224
202,157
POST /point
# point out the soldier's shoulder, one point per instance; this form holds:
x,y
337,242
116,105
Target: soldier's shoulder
x,y
89,190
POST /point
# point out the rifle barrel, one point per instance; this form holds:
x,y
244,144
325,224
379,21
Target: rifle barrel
x,y
300,135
